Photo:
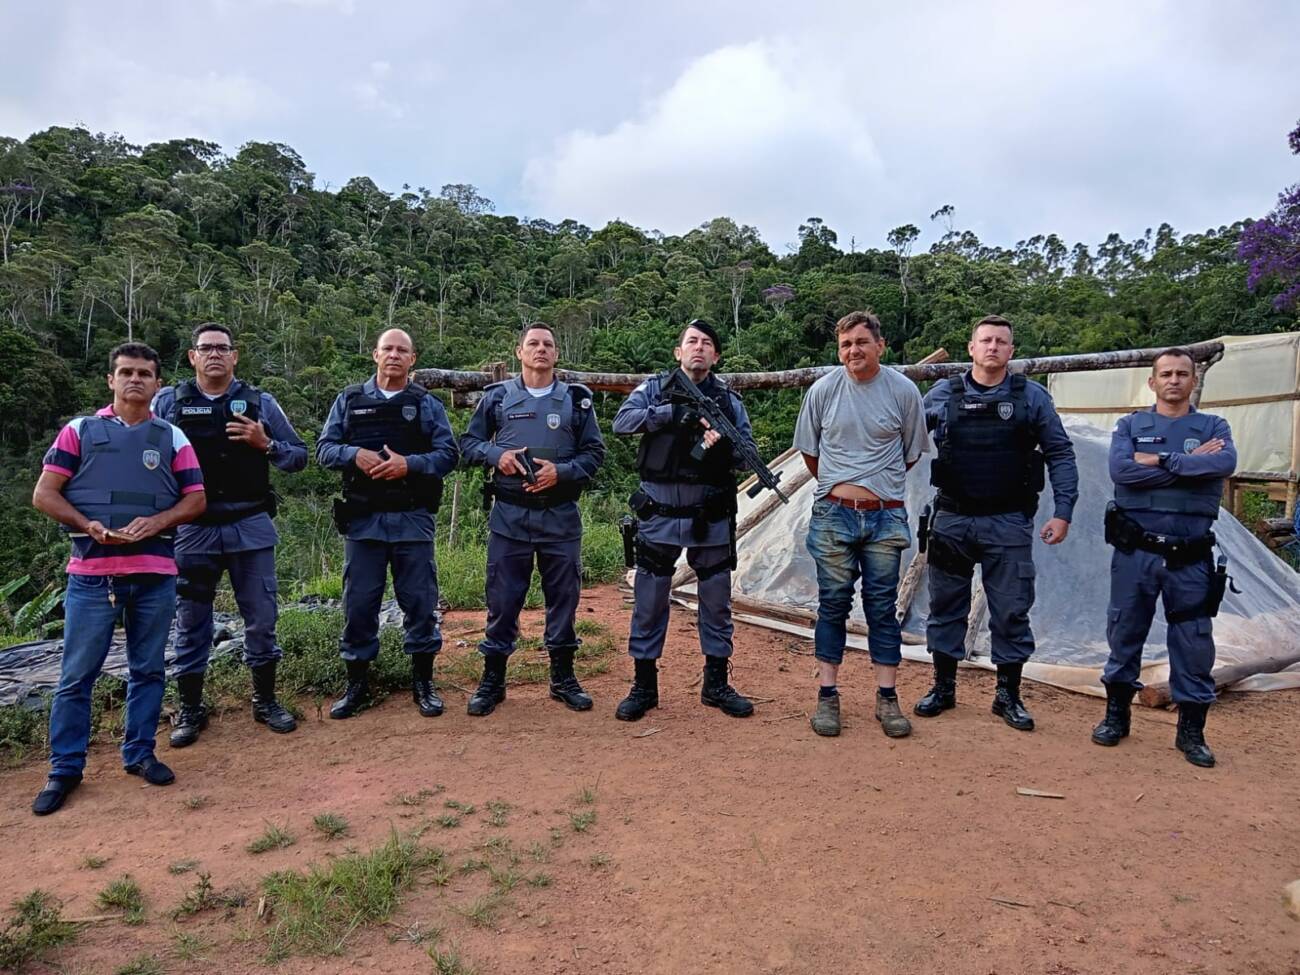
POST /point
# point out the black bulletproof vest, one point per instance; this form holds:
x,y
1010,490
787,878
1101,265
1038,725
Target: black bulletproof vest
x,y
235,476
988,459
665,455
372,422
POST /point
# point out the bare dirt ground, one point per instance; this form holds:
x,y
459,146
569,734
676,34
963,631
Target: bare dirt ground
x,y
718,845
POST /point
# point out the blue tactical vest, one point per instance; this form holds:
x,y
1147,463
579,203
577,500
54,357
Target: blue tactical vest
x,y
664,456
125,472
236,477
373,421
1156,434
547,425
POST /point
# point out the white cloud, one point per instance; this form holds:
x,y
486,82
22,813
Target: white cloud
x,y
745,131
369,92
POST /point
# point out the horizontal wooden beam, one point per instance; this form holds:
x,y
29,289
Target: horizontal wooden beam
x,y
462,381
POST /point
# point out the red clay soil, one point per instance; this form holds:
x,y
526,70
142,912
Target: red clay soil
x,y
719,845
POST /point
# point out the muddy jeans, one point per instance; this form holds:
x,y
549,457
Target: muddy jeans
x,y
846,546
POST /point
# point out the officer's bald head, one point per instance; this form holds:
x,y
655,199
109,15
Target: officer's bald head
x,y
395,338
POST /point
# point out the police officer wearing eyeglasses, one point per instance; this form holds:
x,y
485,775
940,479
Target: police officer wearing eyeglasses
x,y
239,432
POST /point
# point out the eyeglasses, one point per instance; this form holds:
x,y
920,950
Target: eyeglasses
x,y
214,349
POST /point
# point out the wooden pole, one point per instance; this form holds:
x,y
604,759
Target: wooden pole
x,y
1158,695
614,382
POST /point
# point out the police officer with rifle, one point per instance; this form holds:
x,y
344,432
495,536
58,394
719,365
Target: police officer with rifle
x,y
540,442
391,440
1168,464
688,456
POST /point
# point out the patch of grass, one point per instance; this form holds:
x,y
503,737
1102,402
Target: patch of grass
x,y
194,802
482,911
540,880
502,847
317,911
448,821
440,874
275,837
94,863
23,730
505,880
141,965
497,812
181,866
527,666
586,796
125,894
415,798
449,962
580,822
35,929
473,865
204,897
464,807
539,852
598,861
330,825
189,947
418,934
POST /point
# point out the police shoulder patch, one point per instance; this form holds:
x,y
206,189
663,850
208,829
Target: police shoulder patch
x,y
553,421
238,407
151,459
409,413
1006,410
1190,444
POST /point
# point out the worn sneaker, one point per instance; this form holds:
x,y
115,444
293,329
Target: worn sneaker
x,y
826,719
891,717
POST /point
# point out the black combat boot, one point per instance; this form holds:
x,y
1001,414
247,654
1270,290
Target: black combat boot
x,y
1119,714
266,709
564,685
492,688
717,693
423,692
193,716
644,694
943,695
356,697
1006,701
1191,734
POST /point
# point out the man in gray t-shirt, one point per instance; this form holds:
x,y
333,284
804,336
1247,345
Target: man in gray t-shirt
x,y
860,428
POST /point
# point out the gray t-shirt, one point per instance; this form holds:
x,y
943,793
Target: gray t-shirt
x,y
863,433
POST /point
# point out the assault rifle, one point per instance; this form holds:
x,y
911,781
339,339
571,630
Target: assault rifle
x,y
680,389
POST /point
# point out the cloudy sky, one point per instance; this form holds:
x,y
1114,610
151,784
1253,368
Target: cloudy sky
x,y
1033,117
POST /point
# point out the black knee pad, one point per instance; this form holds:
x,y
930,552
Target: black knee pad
x,y
658,560
708,572
946,556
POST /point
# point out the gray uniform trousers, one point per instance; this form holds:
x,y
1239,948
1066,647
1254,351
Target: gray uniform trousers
x,y
509,574
1002,546
1136,579
252,577
712,565
415,583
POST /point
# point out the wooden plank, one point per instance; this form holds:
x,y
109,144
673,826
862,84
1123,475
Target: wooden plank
x,y
1158,695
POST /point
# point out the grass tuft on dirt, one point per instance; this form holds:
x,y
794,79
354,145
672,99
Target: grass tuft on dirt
x,y
275,837
315,912
330,825
36,928
126,895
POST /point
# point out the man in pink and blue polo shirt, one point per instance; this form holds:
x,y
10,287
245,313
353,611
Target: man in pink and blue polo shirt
x,y
119,482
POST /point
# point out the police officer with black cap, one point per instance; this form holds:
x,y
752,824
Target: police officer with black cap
x,y
995,433
1168,464
391,440
540,440
238,432
687,499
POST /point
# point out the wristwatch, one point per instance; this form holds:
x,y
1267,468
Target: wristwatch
x,y
1162,458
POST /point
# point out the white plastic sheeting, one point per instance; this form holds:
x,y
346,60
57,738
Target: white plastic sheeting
x,y
1073,582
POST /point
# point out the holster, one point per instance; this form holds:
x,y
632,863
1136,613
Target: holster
x,y
923,529
627,527
1178,551
344,512
946,556
1219,583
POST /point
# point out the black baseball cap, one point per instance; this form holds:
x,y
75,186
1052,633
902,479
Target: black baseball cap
x,y
700,325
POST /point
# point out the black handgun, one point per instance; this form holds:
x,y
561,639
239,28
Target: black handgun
x,y
627,527
527,469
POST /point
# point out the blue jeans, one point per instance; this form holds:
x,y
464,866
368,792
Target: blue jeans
x,y
848,545
145,604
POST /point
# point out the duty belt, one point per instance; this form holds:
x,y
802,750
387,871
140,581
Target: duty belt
x,y
974,509
537,502
1178,550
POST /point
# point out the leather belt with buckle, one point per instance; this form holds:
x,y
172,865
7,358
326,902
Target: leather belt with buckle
x,y
864,504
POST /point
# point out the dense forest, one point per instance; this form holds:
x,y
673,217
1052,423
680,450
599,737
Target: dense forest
x,y
101,241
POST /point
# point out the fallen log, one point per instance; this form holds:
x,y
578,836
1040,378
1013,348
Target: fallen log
x,y
1158,695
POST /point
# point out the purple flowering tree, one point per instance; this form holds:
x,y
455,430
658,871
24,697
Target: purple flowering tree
x,y
1271,246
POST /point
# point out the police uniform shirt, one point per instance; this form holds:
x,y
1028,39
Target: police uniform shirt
x,y
512,415
1181,466
287,452
1043,419
643,412
333,452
